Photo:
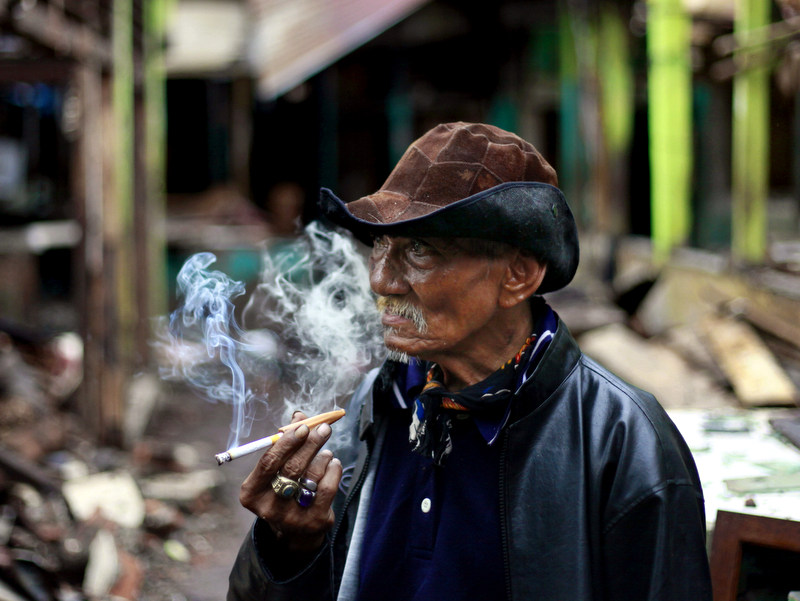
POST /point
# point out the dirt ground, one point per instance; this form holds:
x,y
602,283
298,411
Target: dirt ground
x,y
217,525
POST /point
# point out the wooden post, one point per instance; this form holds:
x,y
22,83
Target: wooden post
x,y
669,81
90,176
119,273
750,146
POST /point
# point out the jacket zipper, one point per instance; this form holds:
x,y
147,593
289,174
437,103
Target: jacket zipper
x,y
504,515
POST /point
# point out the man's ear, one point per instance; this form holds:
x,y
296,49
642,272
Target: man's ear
x,y
523,277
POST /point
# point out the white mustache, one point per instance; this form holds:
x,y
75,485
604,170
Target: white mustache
x,y
403,308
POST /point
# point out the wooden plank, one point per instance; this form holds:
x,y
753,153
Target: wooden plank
x,y
655,368
50,27
772,323
754,373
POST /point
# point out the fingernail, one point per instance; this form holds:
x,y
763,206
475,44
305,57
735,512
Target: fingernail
x,y
324,430
301,432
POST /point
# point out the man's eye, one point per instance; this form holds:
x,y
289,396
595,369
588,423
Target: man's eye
x,y
419,248
379,242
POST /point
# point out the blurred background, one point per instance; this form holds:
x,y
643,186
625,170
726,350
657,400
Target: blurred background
x,y
135,133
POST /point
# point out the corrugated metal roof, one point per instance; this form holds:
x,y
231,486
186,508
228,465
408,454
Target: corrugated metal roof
x,y
295,39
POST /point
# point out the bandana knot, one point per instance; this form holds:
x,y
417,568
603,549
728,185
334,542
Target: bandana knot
x,y
431,421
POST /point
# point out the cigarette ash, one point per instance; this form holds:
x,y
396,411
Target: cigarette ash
x,y
308,333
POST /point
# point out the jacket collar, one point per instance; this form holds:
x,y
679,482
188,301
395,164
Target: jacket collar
x,y
558,361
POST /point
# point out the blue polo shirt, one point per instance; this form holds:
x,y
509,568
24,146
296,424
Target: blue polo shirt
x,y
433,532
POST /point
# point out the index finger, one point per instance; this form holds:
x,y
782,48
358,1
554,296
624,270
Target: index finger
x,y
329,417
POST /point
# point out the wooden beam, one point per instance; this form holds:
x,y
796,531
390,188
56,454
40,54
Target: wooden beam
x,y
52,28
752,370
52,71
780,31
89,179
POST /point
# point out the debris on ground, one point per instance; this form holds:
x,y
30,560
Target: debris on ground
x,y
83,522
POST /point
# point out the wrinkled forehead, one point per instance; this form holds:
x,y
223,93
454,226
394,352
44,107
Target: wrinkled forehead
x,y
477,247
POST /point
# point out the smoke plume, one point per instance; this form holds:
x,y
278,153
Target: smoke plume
x,y
308,331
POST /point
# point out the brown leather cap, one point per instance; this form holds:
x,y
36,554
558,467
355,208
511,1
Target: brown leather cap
x,y
470,180
451,162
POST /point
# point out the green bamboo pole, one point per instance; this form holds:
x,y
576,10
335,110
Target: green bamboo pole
x,y
156,14
750,141
616,106
670,123
122,102
571,172
616,80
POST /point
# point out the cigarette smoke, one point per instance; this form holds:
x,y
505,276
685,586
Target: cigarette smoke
x,y
309,331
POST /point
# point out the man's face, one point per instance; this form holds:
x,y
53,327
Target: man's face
x,y
437,301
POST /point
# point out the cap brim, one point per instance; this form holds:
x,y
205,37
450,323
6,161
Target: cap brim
x,y
530,215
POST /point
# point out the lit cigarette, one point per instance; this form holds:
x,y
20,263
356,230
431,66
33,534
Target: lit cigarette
x,y
265,443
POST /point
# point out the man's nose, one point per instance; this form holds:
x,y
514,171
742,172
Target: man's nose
x,y
386,278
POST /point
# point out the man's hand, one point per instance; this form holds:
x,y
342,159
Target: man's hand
x,y
295,455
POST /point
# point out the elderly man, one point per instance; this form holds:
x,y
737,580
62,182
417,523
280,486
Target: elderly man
x,y
492,459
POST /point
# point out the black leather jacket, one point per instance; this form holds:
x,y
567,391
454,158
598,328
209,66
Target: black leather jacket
x,y
600,497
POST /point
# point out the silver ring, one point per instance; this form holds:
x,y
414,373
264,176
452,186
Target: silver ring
x,y
284,487
308,484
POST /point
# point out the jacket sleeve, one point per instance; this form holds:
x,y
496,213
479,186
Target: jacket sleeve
x,y
257,573
656,550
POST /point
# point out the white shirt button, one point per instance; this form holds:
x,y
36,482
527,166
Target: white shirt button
x,y
425,505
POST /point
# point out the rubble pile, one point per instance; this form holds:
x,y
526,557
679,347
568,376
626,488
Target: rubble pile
x,y
695,332
80,521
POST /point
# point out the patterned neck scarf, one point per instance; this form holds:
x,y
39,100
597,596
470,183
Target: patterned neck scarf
x,y
487,401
